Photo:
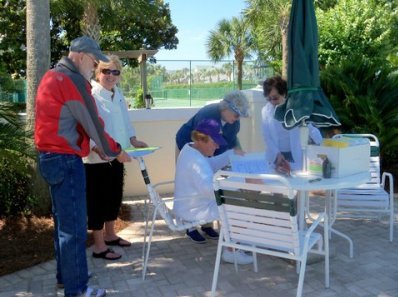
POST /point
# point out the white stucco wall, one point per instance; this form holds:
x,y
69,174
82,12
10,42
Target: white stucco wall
x,y
157,127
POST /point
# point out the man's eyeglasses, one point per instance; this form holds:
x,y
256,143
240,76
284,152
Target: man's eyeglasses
x,y
95,62
109,72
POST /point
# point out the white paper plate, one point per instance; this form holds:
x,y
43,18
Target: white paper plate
x,y
139,152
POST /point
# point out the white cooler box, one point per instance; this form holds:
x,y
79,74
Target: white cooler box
x,y
345,161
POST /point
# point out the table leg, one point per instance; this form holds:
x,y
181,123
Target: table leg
x,y
330,209
302,210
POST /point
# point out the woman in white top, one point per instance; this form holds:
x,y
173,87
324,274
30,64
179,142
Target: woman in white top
x,y
282,144
194,193
105,177
194,173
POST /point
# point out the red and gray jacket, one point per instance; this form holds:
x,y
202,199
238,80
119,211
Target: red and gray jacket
x,y
66,114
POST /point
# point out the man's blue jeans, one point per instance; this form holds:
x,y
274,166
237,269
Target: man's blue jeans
x,y
66,177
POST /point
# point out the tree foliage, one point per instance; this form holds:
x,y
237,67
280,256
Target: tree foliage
x,y
367,28
269,21
325,4
364,28
125,25
12,37
148,25
231,37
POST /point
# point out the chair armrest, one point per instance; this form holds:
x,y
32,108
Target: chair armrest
x,y
314,225
165,199
389,176
153,193
312,228
163,183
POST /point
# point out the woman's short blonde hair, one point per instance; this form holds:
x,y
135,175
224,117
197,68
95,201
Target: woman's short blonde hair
x,y
113,59
199,136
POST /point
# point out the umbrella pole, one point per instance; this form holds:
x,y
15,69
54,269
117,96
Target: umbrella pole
x,y
304,134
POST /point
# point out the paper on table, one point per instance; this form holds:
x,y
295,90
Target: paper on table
x,y
139,152
250,163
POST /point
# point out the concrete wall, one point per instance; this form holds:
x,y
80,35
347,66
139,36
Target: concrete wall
x,y
158,127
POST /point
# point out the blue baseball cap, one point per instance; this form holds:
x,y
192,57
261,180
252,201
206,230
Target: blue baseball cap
x,y
211,128
86,44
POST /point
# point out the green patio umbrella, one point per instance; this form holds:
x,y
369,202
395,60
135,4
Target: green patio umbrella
x,y
306,102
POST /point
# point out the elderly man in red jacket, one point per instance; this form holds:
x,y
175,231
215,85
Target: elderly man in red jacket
x,y
66,119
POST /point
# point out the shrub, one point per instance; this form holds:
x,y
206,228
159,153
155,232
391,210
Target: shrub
x,y
16,163
139,99
365,96
16,186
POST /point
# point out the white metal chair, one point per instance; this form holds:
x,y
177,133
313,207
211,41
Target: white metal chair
x,y
163,207
373,198
261,218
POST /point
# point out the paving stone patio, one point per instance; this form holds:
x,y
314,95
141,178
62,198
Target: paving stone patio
x,y
178,267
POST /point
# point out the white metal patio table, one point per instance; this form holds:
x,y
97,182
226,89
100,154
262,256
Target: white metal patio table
x,y
305,183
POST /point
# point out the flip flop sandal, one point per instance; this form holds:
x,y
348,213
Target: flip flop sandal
x,y
117,242
103,255
95,292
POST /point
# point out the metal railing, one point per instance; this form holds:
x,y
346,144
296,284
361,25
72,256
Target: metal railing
x,y
185,83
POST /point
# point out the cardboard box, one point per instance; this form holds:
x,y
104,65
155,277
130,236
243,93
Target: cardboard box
x,y
345,161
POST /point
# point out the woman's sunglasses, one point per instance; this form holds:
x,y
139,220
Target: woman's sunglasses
x,y
108,72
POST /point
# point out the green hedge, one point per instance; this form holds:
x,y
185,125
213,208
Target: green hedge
x,y
16,187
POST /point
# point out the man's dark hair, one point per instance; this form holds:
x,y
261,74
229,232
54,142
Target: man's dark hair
x,y
276,82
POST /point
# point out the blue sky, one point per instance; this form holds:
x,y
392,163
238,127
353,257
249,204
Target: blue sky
x,y
194,19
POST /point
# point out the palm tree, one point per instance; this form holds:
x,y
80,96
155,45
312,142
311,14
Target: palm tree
x,y
269,20
90,25
231,37
227,69
38,62
38,50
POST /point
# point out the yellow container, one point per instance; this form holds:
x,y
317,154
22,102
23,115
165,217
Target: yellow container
x,y
340,143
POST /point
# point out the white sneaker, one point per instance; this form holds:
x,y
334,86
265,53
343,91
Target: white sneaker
x,y
241,257
91,292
